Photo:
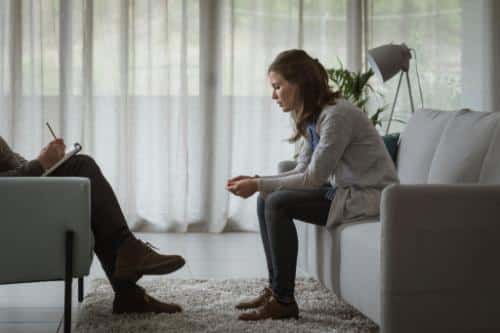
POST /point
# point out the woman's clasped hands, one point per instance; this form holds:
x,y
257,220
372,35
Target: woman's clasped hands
x,y
242,186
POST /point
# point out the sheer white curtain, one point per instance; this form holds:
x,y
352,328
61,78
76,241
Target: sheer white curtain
x,y
168,108
121,77
480,54
171,97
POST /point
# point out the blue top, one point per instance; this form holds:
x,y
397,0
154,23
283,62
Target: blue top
x,y
314,136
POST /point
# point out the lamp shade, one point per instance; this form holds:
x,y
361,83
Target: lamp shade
x,y
387,60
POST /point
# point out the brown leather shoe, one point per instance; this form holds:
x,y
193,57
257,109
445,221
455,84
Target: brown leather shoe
x,y
272,310
136,258
135,300
256,302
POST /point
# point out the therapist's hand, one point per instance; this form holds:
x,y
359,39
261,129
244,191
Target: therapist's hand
x,y
244,187
52,153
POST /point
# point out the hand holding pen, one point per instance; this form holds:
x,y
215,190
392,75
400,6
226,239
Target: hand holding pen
x,y
53,152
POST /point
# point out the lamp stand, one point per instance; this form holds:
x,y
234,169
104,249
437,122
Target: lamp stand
x,y
396,98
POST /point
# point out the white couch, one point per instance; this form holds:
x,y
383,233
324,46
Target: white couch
x,y
430,263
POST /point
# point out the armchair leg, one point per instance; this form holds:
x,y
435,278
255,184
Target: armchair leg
x,y
68,281
80,289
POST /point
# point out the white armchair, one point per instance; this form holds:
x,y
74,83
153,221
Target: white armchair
x,y
46,233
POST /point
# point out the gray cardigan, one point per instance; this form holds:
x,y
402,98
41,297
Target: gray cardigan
x,y
350,155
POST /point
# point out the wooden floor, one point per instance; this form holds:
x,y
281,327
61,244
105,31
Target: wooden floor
x,y
38,307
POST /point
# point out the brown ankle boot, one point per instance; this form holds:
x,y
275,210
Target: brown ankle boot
x,y
256,302
273,310
135,300
136,258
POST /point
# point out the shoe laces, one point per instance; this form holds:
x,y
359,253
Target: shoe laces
x,y
151,246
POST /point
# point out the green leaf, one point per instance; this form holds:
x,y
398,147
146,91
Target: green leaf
x,y
355,87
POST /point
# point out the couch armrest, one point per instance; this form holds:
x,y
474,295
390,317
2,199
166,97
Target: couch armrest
x,y
35,214
439,258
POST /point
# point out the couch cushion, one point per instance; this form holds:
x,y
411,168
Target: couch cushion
x,y
359,273
418,145
319,253
346,260
462,148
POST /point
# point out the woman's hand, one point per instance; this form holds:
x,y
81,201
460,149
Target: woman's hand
x,y
244,188
233,180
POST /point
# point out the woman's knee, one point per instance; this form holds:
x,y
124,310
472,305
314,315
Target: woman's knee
x,y
276,207
275,201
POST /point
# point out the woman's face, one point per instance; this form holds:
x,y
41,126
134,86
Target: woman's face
x,y
285,93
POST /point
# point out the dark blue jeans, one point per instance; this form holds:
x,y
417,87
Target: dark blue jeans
x,y
276,213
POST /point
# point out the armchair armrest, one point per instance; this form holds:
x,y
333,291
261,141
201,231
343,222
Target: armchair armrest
x,y
439,258
35,213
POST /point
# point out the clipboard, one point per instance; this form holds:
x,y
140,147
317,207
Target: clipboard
x,y
76,149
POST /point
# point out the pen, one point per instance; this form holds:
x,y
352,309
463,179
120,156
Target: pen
x,y
51,131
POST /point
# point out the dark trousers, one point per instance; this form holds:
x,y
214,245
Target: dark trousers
x,y
276,213
108,223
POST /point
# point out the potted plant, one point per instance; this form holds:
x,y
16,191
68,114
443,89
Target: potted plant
x,y
355,88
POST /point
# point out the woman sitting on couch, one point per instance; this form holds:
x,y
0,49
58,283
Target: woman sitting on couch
x,y
342,169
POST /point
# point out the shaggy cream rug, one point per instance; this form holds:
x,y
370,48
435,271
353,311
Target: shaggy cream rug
x,y
209,307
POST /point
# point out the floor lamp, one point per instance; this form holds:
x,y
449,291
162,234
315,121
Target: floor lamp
x,y
388,60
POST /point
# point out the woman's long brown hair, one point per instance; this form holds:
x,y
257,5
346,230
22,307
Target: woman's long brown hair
x,y
297,67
